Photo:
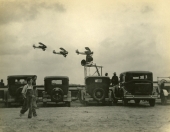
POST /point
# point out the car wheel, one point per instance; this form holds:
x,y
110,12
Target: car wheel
x,y
99,94
152,102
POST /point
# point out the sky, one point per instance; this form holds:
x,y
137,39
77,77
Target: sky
x,y
125,35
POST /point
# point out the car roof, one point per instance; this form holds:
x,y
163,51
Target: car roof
x,y
55,77
136,72
96,77
20,76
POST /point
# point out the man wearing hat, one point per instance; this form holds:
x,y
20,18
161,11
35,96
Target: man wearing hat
x,y
115,79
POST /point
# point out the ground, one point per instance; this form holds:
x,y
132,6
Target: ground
x,y
93,118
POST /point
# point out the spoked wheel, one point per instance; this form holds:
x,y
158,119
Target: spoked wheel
x,y
152,102
137,102
99,94
125,102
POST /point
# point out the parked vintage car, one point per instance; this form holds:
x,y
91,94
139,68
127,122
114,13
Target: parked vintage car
x,y
56,90
135,85
96,90
15,86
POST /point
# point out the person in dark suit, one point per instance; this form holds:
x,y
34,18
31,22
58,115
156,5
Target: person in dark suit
x,y
1,83
114,79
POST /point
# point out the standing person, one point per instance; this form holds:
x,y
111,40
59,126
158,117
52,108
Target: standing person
x,y
1,83
29,94
114,79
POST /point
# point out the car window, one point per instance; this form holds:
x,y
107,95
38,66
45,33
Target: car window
x,y
140,77
98,80
20,81
56,82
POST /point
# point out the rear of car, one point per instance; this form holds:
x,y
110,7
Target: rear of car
x,y
96,89
137,86
56,90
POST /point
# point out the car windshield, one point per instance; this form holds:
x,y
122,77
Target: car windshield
x,y
16,81
56,82
98,80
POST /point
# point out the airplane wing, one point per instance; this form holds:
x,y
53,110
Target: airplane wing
x,y
87,48
41,43
44,46
62,49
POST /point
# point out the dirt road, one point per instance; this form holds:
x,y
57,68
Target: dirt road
x,y
142,118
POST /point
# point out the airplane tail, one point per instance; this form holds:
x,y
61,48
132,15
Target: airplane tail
x,y
34,46
77,51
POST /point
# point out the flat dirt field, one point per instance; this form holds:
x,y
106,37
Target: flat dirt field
x,y
78,118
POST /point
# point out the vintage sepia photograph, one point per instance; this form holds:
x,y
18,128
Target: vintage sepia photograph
x,y
84,66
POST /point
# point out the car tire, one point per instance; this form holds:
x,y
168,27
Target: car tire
x,y
100,91
59,96
152,102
